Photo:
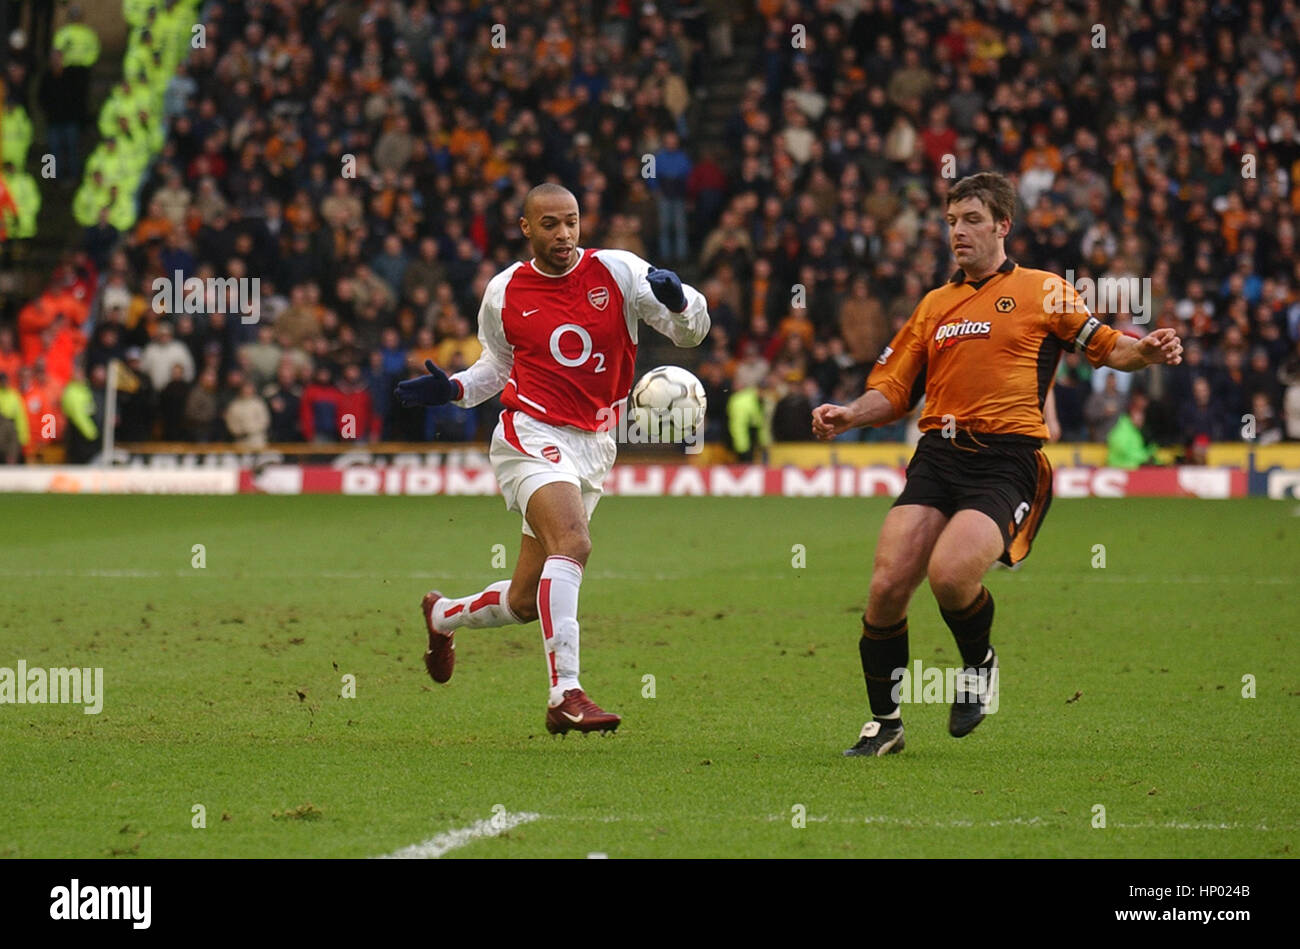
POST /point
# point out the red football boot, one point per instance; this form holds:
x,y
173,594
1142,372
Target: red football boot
x,y
579,713
440,659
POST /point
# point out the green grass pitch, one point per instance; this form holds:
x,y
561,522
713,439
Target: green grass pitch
x,y
223,685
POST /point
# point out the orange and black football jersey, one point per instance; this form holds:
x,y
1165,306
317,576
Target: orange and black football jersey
x,y
985,352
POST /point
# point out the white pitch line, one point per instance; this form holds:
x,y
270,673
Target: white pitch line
x,y
908,822
1055,823
1144,580
639,577
1178,825
443,843
371,576
85,574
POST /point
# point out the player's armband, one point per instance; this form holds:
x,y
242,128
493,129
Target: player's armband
x,y
1095,340
1085,332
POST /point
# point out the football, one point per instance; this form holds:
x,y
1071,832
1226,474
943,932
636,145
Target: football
x,y
668,404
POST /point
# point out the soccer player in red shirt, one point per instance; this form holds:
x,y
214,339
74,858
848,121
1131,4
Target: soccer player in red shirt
x,y
559,335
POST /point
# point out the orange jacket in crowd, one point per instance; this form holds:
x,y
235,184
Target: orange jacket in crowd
x,y
39,315
59,358
42,400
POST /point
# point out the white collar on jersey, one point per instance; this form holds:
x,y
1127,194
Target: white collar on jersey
x,y
556,276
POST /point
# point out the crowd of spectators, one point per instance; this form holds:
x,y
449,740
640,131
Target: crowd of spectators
x,y
366,161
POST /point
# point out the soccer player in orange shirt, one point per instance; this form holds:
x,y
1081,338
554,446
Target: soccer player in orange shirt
x,y
983,348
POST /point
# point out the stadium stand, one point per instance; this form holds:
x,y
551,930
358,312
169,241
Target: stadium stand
x,y
365,162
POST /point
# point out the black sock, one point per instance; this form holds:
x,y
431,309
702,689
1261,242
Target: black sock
x,y
971,627
883,650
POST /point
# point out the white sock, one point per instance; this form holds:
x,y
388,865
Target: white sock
x,y
491,607
557,607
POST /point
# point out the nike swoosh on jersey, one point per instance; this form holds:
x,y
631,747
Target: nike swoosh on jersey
x,y
532,311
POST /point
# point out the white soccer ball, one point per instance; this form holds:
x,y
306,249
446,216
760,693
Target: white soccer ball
x,y
668,404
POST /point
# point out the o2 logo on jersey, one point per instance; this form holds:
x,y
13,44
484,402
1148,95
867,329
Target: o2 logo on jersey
x,y
949,334
584,338
598,297
551,453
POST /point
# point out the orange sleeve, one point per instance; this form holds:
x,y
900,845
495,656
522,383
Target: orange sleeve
x,y
1070,321
902,362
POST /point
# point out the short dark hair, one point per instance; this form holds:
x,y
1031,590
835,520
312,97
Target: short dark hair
x,y
991,188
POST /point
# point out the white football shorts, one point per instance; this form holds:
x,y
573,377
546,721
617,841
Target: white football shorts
x,y
527,454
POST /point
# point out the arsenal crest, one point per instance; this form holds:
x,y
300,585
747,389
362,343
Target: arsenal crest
x,y
550,452
598,297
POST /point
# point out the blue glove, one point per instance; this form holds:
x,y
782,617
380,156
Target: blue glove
x,y
434,389
667,288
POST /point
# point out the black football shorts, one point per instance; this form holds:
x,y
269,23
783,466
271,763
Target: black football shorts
x,y
1006,477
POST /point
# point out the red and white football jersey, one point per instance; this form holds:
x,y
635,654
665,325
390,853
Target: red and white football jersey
x,y
562,349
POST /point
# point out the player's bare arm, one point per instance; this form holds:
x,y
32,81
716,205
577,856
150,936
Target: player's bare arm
x,y
1163,347
870,408
1050,418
